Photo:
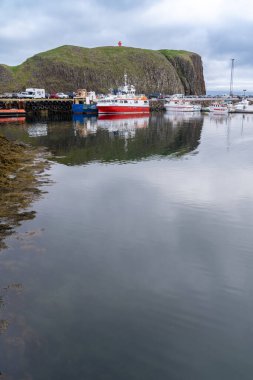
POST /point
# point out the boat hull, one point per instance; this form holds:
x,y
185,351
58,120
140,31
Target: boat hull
x,y
12,112
182,109
84,109
122,109
218,110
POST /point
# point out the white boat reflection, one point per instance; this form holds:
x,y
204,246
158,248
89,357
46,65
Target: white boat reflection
x,y
178,117
220,118
37,130
122,124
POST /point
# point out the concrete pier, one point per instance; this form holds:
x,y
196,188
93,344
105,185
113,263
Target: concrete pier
x,y
32,105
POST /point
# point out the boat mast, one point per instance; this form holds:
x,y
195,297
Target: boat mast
x,y
232,77
125,76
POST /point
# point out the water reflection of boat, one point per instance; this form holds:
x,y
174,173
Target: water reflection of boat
x,y
123,124
220,118
122,116
12,119
178,117
37,130
126,138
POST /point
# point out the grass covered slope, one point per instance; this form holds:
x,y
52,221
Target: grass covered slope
x,y
67,68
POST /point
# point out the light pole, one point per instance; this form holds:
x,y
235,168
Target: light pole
x,y
244,93
232,76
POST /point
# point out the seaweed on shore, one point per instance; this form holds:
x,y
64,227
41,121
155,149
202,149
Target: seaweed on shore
x,y
21,178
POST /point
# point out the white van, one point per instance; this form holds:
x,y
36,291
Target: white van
x,y
32,93
36,93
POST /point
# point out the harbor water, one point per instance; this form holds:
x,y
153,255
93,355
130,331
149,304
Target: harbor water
x,y
138,263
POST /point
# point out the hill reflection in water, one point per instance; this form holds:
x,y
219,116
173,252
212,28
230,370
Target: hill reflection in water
x,y
112,138
125,138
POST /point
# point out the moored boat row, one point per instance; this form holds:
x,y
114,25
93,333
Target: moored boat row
x,y
125,101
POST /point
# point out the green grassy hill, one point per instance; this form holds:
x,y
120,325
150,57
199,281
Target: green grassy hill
x,y
68,68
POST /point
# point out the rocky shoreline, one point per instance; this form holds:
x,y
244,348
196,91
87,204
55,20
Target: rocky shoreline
x,y
22,174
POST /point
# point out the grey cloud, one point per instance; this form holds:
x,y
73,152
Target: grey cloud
x,y
122,5
103,22
228,43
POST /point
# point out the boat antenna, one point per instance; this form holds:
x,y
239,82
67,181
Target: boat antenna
x,y
125,76
232,77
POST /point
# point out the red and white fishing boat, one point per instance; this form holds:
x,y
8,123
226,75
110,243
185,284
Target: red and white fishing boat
x,y
126,101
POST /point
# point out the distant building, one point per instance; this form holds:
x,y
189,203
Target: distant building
x,y
119,43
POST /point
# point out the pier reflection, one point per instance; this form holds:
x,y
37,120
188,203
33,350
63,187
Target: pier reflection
x,y
38,129
12,120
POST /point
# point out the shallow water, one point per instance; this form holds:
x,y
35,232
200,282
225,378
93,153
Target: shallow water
x,y
139,262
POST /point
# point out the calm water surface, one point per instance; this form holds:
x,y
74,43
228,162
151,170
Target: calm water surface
x,y
139,263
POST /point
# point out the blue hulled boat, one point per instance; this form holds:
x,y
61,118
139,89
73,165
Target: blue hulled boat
x,y
84,103
83,108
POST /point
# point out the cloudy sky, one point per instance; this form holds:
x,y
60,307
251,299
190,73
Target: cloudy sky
x,y
218,30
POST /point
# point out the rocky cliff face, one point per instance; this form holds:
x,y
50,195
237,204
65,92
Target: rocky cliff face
x,y
70,67
190,70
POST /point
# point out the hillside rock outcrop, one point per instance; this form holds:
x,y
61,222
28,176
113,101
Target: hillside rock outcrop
x,y
70,67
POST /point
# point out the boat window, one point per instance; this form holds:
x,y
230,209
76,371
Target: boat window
x,y
145,101
125,101
136,101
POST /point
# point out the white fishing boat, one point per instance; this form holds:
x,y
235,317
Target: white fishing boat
x,y
244,106
180,104
219,108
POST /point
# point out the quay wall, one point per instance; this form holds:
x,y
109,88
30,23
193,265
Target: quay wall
x,y
31,105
